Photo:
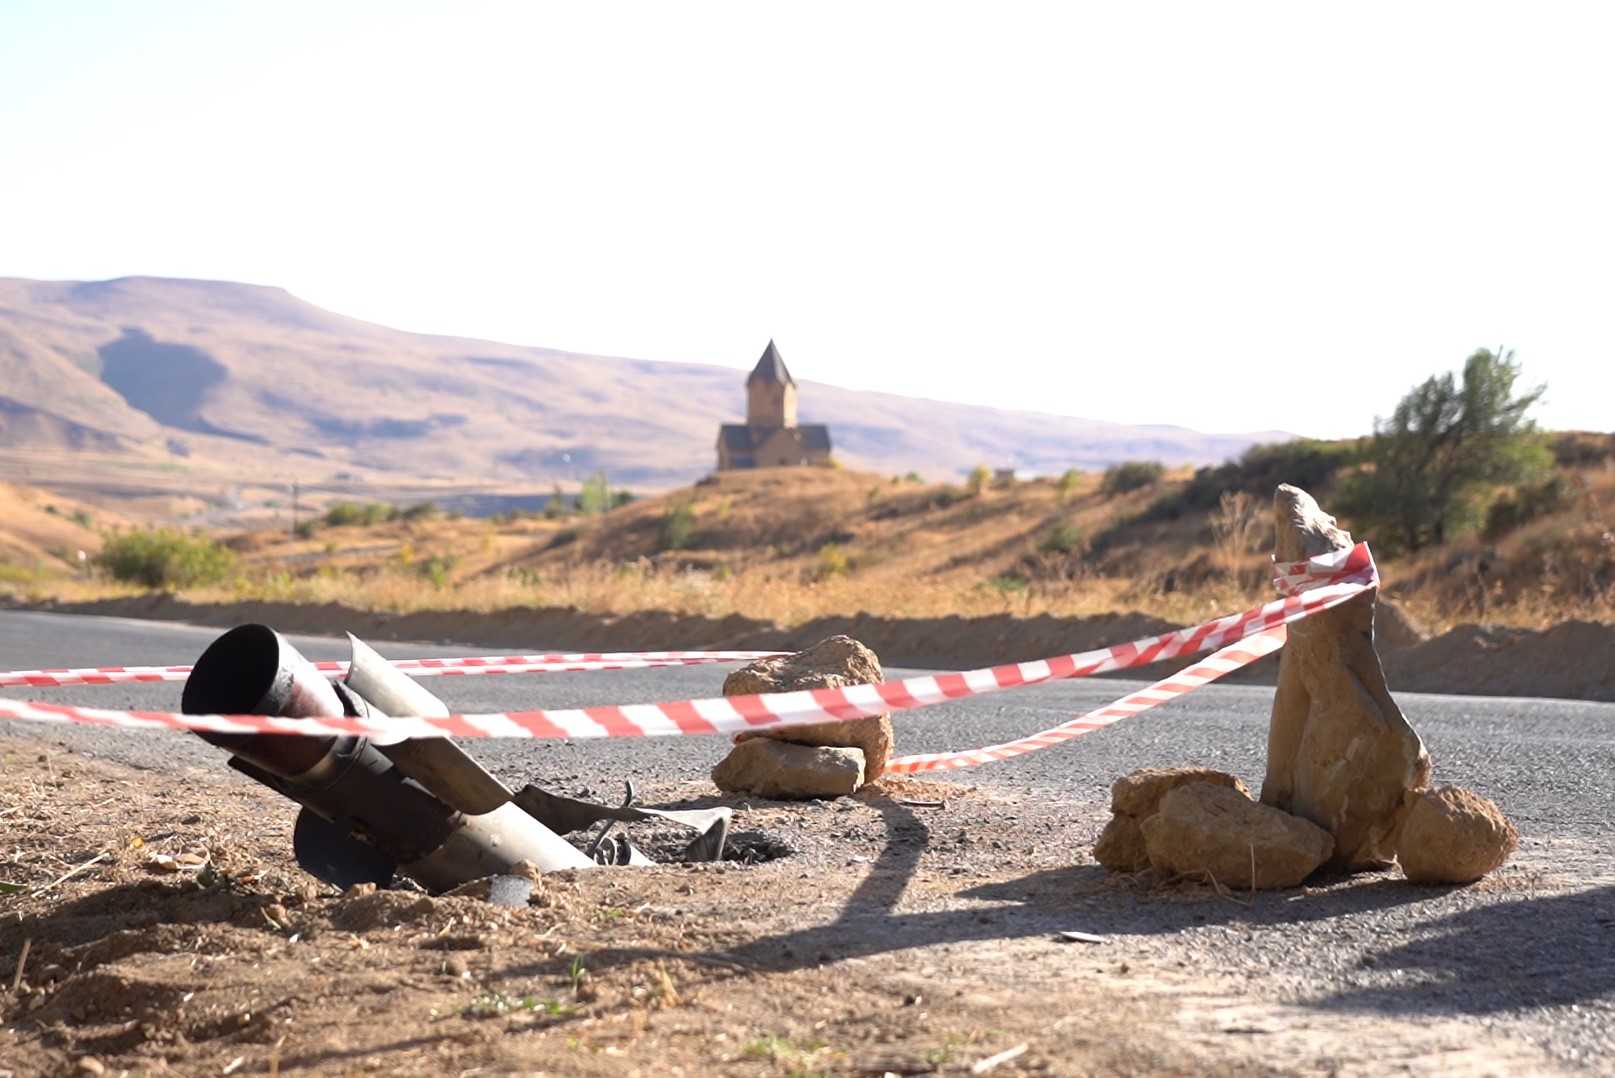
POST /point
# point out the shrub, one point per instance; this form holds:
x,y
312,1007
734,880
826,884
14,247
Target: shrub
x,y
1061,539
419,511
436,569
979,477
1307,463
556,506
1008,583
165,558
83,519
1131,475
1525,505
833,560
350,513
1068,482
676,529
305,529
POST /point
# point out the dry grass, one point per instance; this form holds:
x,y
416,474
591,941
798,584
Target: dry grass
x,y
790,546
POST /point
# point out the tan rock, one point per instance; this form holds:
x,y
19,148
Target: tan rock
x,y
1202,830
1339,751
832,663
1138,793
1453,835
1121,845
1133,798
782,769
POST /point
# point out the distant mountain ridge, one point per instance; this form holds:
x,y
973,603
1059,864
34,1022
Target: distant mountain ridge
x,y
167,368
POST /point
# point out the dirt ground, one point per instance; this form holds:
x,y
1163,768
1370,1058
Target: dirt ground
x,y
157,924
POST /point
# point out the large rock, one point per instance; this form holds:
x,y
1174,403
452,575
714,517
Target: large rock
x,y
780,769
1339,751
1133,799
1453,835
832,663
1139,793
1203,830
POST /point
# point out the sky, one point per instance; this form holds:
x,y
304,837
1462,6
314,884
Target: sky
x,y
1228,216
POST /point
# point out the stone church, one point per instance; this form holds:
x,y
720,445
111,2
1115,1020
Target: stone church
x,y
771,437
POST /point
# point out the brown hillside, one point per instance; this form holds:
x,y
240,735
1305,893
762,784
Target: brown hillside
x,y
42,533
221,383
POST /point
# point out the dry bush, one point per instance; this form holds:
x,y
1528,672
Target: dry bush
x,y
1236,526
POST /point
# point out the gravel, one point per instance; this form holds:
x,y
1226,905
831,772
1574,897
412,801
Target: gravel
x,y
1528,953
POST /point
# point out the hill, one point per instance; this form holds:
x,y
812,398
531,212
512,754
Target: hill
x,y
41,534
792,545
204,384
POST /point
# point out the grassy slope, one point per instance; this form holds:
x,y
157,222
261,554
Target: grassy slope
x,y
795,544
42,533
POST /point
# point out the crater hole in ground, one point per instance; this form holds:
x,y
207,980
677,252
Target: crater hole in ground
x,y
748,846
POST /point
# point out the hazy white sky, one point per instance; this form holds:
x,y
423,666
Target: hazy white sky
x,y
1228,216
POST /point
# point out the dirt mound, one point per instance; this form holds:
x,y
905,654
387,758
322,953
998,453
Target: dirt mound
x,y
1570,661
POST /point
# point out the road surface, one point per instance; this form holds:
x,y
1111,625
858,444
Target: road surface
x,y
1549,763
1529,953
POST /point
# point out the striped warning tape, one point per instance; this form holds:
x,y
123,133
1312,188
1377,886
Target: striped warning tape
x,y
1231,658
737,713
450,667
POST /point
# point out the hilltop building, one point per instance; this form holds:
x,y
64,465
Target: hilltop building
x,y
771,437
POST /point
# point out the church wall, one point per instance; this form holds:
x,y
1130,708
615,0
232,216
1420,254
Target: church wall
x,y
770,405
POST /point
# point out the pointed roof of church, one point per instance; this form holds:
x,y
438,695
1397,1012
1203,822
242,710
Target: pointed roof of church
x,y
770,368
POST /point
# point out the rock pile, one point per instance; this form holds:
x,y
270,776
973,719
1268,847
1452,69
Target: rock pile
x,y
1196,822
1240,843
1134,798
818,759
1347,784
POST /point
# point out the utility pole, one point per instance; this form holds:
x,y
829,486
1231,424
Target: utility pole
x,y
294,508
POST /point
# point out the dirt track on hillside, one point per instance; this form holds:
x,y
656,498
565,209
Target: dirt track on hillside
x,y
1574,660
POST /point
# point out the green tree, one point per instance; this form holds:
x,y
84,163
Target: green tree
x,y
595,496
1448,440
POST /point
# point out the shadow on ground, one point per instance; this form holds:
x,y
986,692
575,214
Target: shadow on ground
x,y
1548,951
1539,952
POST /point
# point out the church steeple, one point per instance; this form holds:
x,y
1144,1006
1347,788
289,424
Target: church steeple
x,y
770,368
770,392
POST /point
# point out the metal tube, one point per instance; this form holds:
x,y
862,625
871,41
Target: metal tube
x,y
436,763
254,670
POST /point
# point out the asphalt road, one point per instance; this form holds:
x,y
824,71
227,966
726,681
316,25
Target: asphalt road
x,y
1549,763
1527,954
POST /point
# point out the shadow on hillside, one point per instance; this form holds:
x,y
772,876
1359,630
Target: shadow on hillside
x,y
169,382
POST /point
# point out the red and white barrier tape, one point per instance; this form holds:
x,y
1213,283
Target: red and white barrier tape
x,y
1348,577
1231,658
451,667
1290,578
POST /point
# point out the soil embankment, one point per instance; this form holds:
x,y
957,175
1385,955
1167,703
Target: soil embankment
x,y
1572,660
